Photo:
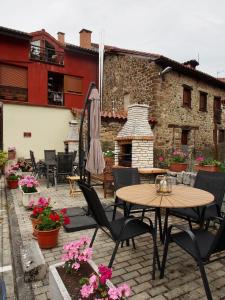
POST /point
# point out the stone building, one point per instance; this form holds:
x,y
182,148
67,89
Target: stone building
x,y
186,105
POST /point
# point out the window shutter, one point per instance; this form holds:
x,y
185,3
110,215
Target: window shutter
x,y
13,76
73,84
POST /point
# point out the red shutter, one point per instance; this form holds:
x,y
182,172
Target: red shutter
x,y
13,76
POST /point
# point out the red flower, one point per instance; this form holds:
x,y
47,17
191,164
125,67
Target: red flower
x,y
105,273
54,217
66,220
37,211
63,211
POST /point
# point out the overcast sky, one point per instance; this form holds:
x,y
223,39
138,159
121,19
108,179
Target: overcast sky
x,y
178,29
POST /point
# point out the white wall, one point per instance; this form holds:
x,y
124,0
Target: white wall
x,y
48,126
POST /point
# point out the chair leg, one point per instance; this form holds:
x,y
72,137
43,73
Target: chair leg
x,y
94,235
207,225
165,256
114,213
114,254
134,246
142,214
190,224
205,280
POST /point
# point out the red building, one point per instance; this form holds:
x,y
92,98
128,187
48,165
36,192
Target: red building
x,y
37,69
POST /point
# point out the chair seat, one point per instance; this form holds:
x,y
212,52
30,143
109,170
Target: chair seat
x,y
204,241
134,228
210,212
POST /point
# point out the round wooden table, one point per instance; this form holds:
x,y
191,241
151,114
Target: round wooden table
x,y
182,196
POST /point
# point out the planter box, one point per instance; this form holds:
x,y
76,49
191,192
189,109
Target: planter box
x,y
209,168
57,288
178,167
26,197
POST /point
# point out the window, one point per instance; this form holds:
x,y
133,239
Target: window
x,y
184,137
187,96
73,84
217,110
203,101
221,137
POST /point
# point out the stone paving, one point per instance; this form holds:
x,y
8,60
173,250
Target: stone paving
x,y
182,279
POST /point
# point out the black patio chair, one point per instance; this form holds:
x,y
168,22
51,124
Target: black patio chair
x,y
50,155
200,244
64,166
38,169
126,177
213,183
118,230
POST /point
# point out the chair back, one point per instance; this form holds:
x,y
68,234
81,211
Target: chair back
x,y
50,155
125,177
65,163
218,244
212,182
94,204
33,161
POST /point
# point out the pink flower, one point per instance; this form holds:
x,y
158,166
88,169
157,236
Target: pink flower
x,y
125,290
114,293
161,158
93,280
105,273
76,266
199,158
86,290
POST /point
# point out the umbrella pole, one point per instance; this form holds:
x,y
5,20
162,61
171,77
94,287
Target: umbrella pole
x,y
81,143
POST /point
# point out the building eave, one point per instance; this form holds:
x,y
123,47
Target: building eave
x,y
15,33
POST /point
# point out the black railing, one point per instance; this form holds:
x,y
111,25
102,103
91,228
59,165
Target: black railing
x,y
55,98
13,93
47,55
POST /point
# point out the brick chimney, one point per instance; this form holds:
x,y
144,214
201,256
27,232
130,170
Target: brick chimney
x,y
61,37
192,64
85,38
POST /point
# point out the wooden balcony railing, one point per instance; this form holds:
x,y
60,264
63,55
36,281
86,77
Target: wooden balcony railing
x,y
47,55
13,93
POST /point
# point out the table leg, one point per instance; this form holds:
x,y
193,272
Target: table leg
x,y
165,225
158,219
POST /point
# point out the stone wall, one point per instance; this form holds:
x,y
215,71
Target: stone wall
x,y
129,79
109,130
142,154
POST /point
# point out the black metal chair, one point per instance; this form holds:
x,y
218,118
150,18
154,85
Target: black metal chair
x,y
50,155
125,177
200,244
213,183
64,166
38,169
118,230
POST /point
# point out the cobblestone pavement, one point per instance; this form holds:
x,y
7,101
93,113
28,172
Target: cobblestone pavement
x,y
182,279
6,273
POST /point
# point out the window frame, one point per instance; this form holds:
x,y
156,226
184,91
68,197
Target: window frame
x,y
187,89
203,108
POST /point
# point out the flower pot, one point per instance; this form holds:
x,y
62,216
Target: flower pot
x,y
12,184
209,168
47,239
34,222
11,155
57,288
178,167
26,197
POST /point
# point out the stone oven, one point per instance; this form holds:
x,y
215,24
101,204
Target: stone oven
x,y
134,143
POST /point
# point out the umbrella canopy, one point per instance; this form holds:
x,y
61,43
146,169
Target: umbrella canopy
x,y
95,160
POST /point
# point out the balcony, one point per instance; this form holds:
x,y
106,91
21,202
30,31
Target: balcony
x,y
47,55
13,93
55,98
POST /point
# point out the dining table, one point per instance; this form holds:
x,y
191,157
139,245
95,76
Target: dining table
x,y
181,196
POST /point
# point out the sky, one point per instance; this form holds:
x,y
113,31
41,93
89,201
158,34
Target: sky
x,y
179,29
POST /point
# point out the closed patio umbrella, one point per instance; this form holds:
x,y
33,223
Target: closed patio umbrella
x,y
95,160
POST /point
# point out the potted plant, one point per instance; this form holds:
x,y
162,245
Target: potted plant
x,y
3,160
37,208
12,176
207,164
178,161
11,152
28,186
48,226
78,277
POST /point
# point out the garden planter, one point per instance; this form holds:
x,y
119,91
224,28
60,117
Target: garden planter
x,y
12,184
11,155
57,288
47,239
178,167
26,197
209,168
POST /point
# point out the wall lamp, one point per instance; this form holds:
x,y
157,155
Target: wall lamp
x,y
164,71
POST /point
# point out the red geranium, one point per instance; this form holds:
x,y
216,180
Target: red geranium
x,y
50,219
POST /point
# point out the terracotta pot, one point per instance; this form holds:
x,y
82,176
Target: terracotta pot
x,y
34,222
47,239
11,155
12,184
209,168
178,167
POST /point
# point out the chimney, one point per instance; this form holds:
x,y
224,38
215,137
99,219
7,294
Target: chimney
x,y
61,37
85,38
192,64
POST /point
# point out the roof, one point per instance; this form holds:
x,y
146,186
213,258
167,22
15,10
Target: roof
x,y
81,50
14,33
109,115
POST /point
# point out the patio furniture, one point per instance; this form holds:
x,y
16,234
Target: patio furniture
x,y
118,230
39,169
211,182
50,162
200,244
72,182
182,196
64,166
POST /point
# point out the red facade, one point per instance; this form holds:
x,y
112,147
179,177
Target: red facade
x,y
38,69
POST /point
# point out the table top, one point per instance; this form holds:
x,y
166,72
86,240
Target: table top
x,y
152,171
182,196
